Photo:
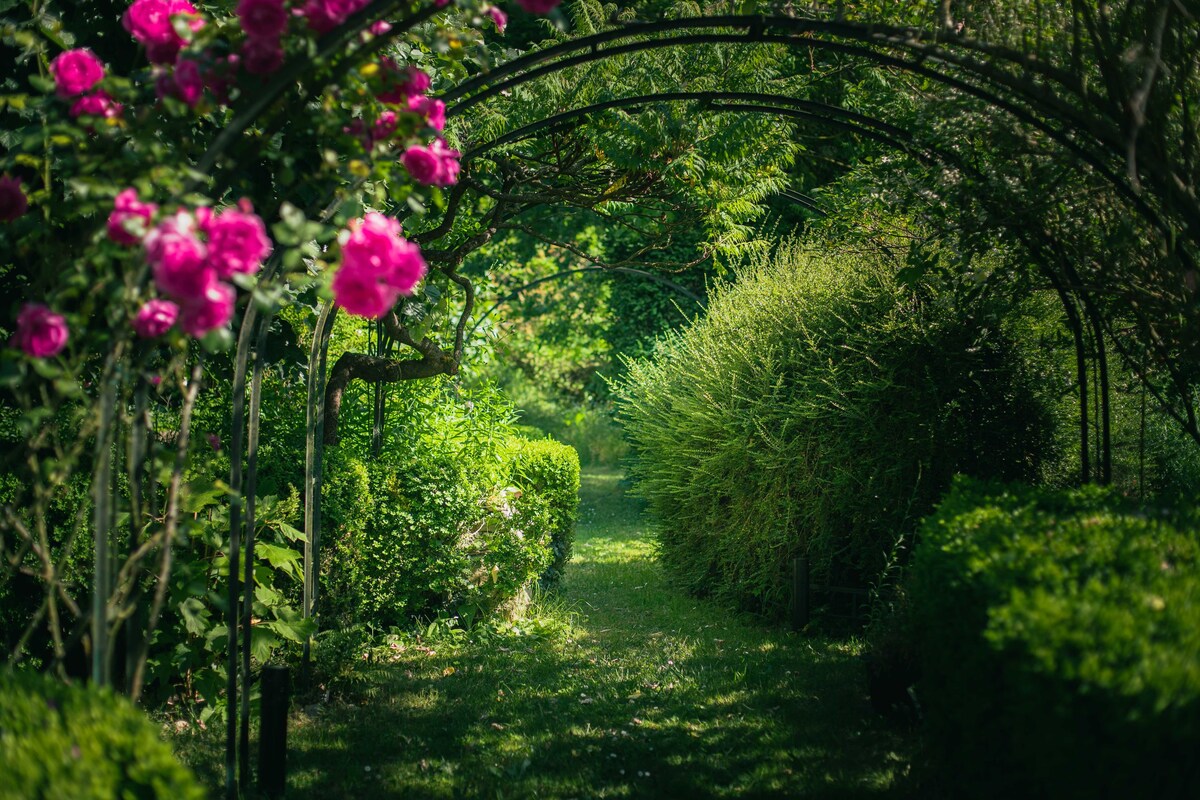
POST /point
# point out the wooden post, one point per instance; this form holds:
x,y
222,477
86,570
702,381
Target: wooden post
x,y
272,732
800,593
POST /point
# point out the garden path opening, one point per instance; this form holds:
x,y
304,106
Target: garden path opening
x,y
618,685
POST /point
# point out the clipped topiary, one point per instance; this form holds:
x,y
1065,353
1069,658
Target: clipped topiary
x,y
76,742
1059,639
550,470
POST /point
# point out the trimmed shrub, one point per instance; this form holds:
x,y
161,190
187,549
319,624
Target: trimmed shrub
x,y
60,741
819,408
1059,637
550,470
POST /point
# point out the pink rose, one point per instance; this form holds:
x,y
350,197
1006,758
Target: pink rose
x,y
40,332
380,28
76,71
539,6
189,82
325,15
209,310
360,291
96,104
237,242
13,202
262,18
378,265
422,164
178,258
155,318
262,55
149,21
498,17
127,208
400,85
435,165
433,110
384,127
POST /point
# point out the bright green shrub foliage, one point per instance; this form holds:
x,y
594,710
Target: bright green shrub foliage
x,y
550,470
74,743
1059,635
818,408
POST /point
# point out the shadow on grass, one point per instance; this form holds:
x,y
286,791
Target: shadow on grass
x,y
648,693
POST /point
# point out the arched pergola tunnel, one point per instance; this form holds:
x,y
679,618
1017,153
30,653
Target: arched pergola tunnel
x,y
1021,89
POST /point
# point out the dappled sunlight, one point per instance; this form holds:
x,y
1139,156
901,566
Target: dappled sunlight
x,y
645,692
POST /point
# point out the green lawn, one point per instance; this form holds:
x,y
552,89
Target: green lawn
x,y
625,688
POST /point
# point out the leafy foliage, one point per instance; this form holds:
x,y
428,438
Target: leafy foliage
x,y
1059,643
80,742
551,470
820,408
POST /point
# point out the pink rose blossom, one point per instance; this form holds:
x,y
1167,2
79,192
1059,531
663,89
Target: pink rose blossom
x,y
401,85
208,311
13,202
539,6
378,265
380,28
325,15
421,164
149,21
360,292
384,127
178,258
96,104
188,83
237,242
435,165
76,71
155,318
40,332
498,17
433,110
155,380
262,55
126,208
262,18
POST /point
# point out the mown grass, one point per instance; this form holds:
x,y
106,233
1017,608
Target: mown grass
x,y
619,686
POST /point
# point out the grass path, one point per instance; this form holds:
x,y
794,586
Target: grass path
x,y
632,689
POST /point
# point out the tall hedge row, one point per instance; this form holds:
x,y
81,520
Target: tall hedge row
x,y
550,470
818,408
1059,638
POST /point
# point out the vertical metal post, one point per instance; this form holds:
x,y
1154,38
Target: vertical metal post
x,y
800,593
272,735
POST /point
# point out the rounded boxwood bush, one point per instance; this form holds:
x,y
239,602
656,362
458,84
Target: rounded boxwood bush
x,y
61,742
1059,640
819,408
550,470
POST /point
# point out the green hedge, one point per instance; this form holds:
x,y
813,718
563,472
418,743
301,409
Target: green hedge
x,y
550,470
407,539
819,408
1059,637
59,742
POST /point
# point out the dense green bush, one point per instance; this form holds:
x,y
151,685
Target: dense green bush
x,y
550,470
819,408
73,742
1059,637
453,516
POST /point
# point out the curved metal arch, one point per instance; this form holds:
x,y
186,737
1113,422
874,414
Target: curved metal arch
x,y
899,38
741,101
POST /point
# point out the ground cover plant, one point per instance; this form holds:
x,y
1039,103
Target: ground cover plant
x,y
1077,611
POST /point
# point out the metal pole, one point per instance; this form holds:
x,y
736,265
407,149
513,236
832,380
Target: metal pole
x,y
272,735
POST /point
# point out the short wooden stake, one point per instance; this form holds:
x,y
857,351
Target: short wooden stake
x,y
800,593
272,732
